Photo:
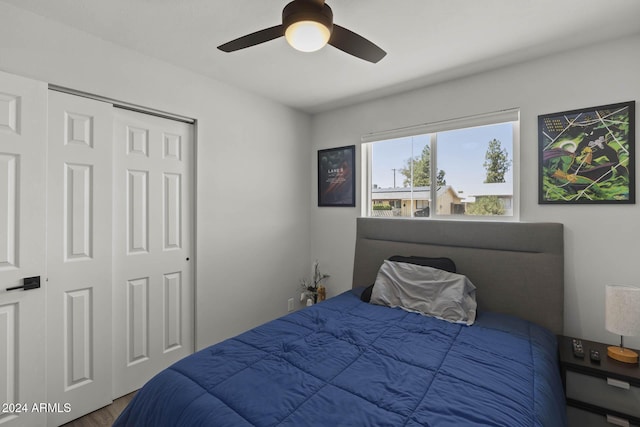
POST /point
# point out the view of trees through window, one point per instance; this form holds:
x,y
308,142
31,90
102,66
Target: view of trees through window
x,y
473,173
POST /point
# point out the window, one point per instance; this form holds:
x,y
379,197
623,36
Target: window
x,y
471,161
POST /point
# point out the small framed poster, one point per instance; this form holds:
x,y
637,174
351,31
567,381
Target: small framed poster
x,y
336,177
587,156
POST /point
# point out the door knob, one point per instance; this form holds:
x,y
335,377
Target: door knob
x,y
27,284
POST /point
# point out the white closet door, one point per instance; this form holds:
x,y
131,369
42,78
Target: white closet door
x,y
23,127
153,287
79,254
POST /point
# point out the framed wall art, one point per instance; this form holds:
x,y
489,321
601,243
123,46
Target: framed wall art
x,y
586,156
336,177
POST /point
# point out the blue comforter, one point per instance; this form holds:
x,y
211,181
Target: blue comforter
x,y
348,363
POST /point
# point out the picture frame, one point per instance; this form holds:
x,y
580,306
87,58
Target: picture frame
x,y
587,156
336,177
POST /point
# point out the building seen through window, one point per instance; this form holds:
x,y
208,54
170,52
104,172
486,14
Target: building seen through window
x,y
452,173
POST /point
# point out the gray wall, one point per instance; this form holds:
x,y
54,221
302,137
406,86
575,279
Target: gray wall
x,y
252,171
602,242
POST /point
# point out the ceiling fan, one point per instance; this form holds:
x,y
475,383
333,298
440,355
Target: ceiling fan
x,y
308,26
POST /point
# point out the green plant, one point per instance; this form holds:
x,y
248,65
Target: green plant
x,y
381,207
486,205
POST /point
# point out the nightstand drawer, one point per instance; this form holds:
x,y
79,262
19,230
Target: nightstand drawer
x,y
580,418
610,394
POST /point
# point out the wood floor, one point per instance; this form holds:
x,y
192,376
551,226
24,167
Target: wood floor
x,y
104,416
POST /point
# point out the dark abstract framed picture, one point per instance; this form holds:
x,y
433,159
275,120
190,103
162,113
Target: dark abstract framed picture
x,y
336,177
587,156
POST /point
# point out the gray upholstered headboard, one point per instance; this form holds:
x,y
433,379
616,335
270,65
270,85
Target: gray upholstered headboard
x,y
517,268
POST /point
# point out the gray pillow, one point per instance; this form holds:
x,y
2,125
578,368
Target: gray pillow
x,y
442,263
426,290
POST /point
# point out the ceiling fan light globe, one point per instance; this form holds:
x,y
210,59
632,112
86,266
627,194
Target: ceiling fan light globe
x,y
307,36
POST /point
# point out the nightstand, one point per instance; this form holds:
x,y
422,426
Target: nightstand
x,y
601,394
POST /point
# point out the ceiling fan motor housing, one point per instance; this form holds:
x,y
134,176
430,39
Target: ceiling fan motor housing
x,y
305,10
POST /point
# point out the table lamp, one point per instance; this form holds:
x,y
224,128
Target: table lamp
x,y
622,317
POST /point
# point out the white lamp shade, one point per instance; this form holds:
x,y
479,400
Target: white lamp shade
x,y
307,36
622,314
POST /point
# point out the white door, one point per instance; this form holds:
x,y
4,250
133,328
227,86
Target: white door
x,y
79,254
23,127
153,274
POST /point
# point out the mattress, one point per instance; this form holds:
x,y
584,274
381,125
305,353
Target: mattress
x,y
344,362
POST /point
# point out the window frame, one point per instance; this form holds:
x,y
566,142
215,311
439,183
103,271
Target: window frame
x,y
487,119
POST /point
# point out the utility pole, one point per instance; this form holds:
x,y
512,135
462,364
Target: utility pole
x,y
394,177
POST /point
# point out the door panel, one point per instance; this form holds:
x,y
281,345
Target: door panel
x,y
79,254
8,203
153,279
23,126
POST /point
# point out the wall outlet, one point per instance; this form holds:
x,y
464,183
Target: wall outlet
x,y
290,304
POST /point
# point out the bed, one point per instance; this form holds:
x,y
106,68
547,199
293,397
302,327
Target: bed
x,y
348,362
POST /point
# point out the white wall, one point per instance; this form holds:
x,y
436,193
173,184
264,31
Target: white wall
x,y
601,242
258,228
252,170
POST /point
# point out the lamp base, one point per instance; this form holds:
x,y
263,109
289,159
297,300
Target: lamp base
x,y
622,354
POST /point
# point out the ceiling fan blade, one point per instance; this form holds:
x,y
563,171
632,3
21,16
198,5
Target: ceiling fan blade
x,y
253,39
356,45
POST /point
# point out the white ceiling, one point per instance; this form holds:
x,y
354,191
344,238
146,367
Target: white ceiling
x,y
427,41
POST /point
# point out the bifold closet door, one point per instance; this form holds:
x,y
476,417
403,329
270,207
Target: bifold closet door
x,y
23,137
153,312
79,236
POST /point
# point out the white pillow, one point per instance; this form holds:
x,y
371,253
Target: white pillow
x,y
426,290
